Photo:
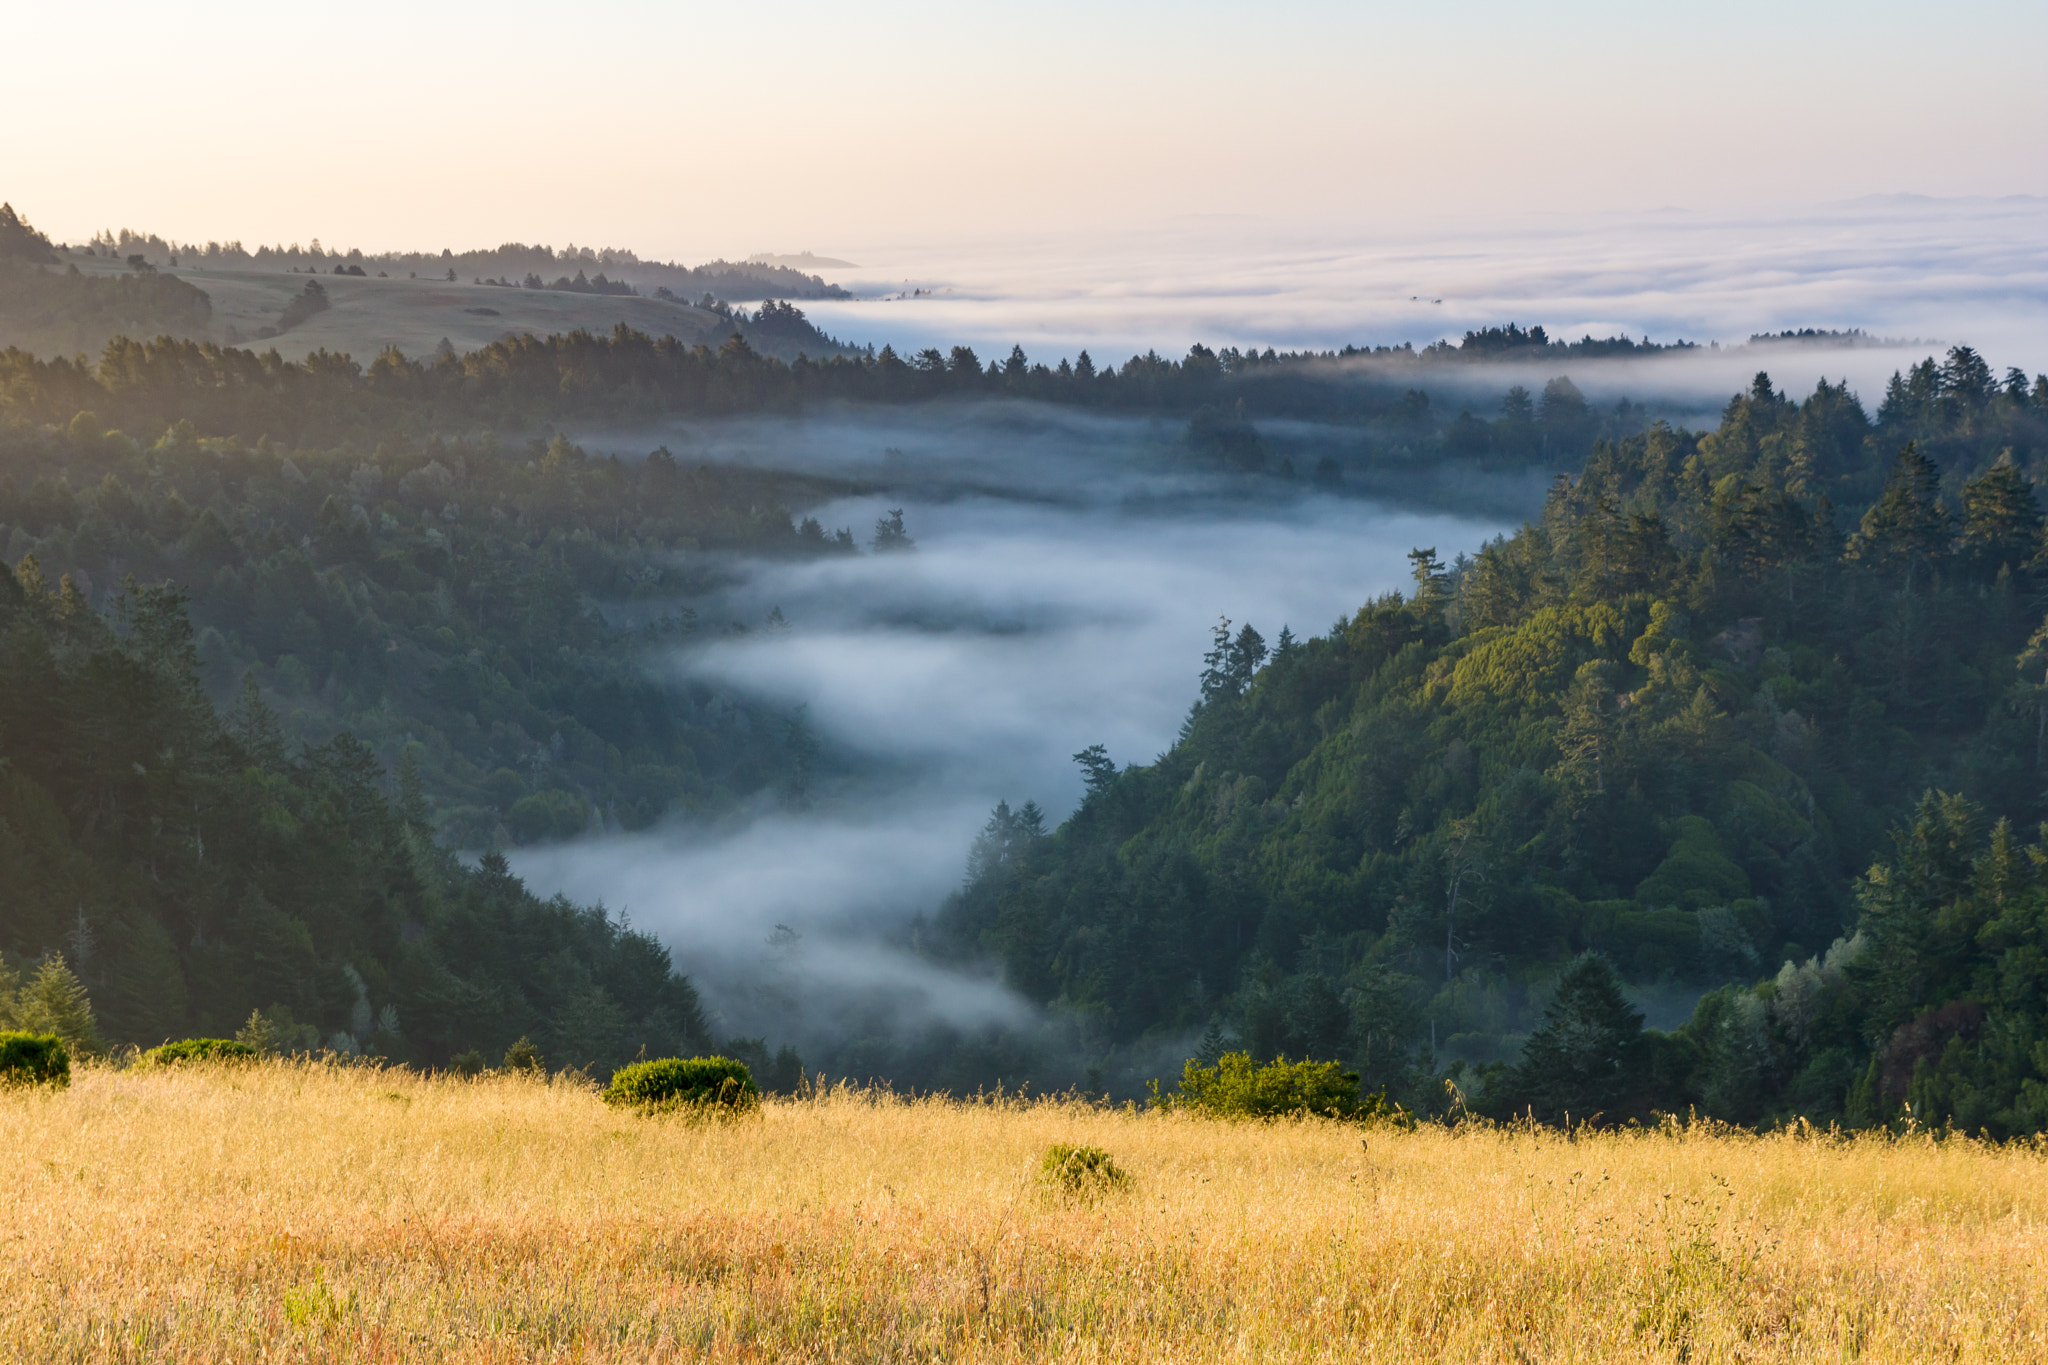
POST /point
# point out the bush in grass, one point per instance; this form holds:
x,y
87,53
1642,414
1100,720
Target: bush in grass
x,y
34,1059
468,1064
523,1059
1080,1172
1237,1088
199,1050
703,1084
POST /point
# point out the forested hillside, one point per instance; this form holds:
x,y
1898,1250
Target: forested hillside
x,y
195,869
1685,723
435,598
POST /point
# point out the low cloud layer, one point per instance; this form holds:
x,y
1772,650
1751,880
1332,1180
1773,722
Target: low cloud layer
x,y
1929,269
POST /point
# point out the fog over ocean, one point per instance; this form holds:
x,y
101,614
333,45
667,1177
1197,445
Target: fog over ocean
x,y
1901,266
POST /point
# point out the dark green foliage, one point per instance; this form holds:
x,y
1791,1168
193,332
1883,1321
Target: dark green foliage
x,y
522,1058
1908,527
201,870
199,1050
780,1072
1080,1172
623,375
1588,1058
2001,525
685,1083
34,1059
436,600
53,1000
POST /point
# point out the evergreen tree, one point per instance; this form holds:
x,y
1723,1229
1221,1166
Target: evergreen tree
x,y
1589,1056
2001,519
1908,527
53,1001
1097,768
1966,378
890,537
1432,580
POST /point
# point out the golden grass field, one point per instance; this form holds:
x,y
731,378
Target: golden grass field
x,y
287,1212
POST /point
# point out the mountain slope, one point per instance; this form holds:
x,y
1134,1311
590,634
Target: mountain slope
x,y
1670,723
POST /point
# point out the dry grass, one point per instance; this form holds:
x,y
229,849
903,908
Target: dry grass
x,y
286,1213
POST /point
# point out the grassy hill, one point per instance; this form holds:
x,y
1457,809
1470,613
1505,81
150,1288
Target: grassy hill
x,y
67,300
367,314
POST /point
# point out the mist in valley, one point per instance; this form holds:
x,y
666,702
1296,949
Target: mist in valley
x,y
1068,571
1066,576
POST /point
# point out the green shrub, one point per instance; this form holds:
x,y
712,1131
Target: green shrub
x,y
1080,1172
34,1059
1236,1088
199,1050
707,1084
467,1064
523,1058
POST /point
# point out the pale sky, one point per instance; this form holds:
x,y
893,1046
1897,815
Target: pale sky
x,y
685,130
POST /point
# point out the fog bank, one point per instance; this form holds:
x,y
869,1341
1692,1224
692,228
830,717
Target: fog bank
x,y
1902,266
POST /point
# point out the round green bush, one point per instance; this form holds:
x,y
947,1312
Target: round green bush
x,y
34,1059
199,1050
711,1084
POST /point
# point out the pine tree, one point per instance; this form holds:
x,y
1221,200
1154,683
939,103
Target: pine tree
x,y
890,537
53,1001
1216,678
1589,1056
2001,519
1432,580
1908,526
1966,378
1097,768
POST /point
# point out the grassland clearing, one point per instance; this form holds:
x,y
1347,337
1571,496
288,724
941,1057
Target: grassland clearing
x,y
307,1213
368,314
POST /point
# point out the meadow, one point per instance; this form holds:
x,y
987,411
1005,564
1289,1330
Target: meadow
x,y
301,1212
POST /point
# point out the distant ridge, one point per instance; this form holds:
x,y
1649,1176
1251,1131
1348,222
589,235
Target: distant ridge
x,y
802,260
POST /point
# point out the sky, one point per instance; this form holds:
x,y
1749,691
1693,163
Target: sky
x,y
689,130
